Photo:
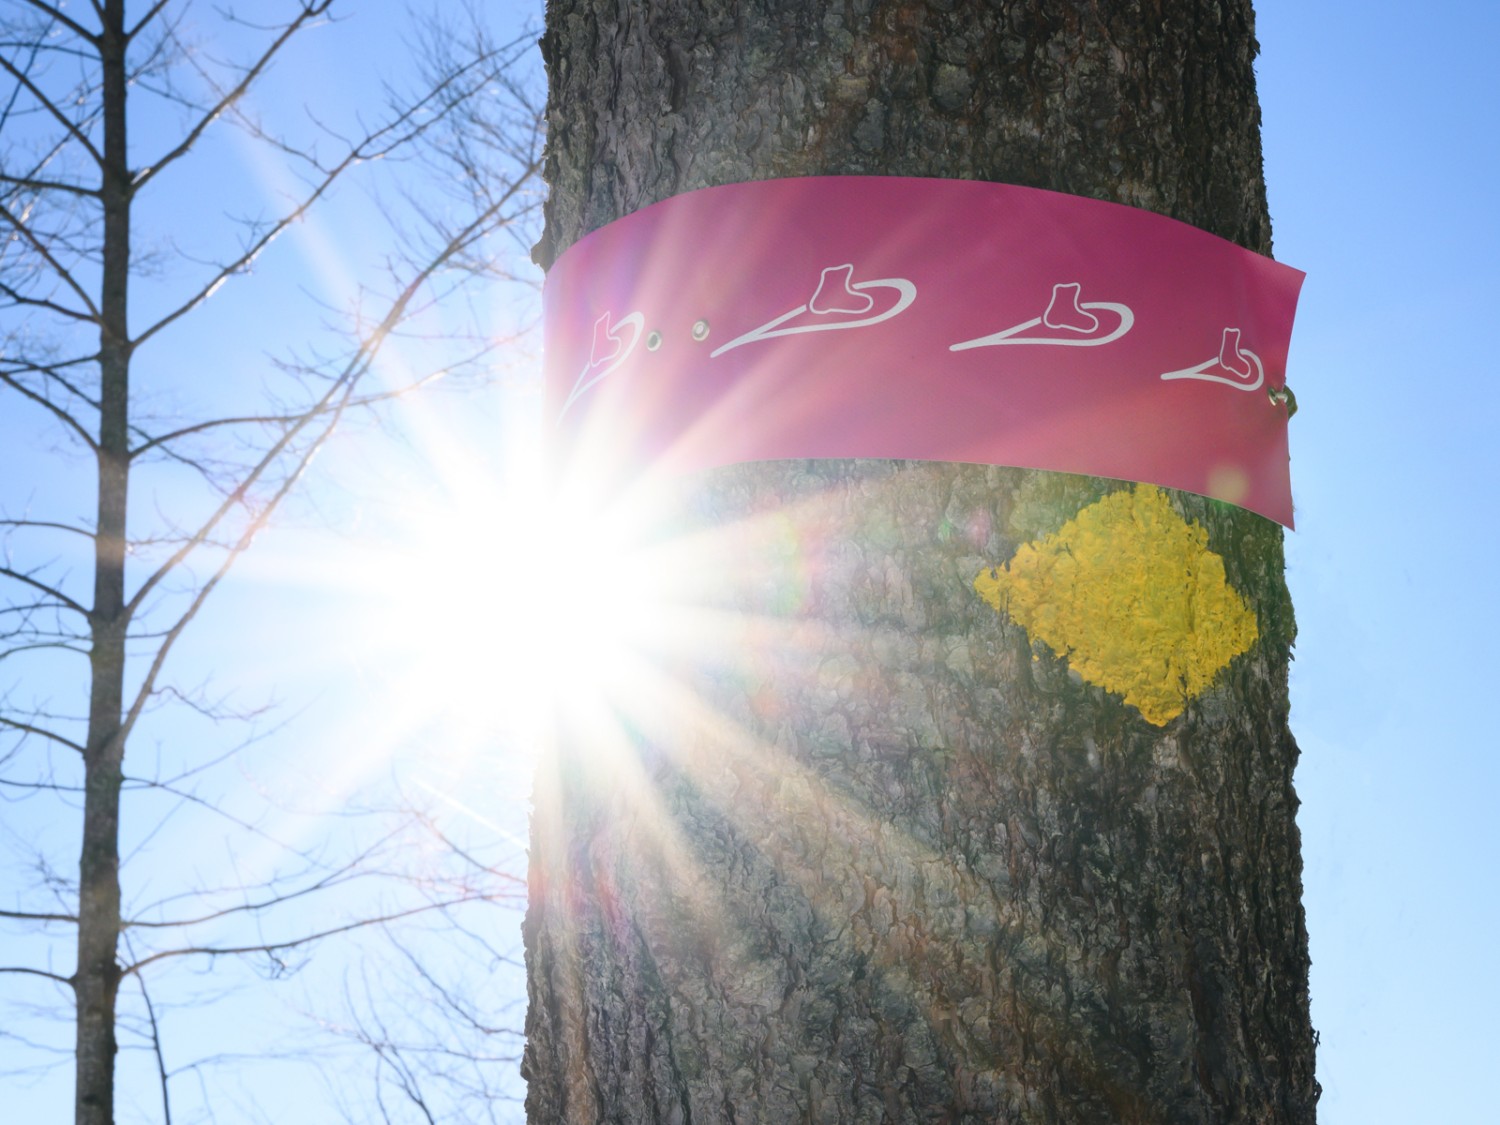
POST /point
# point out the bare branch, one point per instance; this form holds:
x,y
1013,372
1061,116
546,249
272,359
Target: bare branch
x,y
55,13
450,1001
256,248
356,402
400,130
41,646
42,303
27,580
346,873
48,525
53,372
49,786
31,183
29,917
156,1044
333,402
40,732
464,854
39,247
51,407
202,767
310,11
140,26
148,684
36,973
51,107
297,942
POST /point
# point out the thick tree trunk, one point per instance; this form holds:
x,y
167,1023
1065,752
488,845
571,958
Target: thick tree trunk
x,y
892,861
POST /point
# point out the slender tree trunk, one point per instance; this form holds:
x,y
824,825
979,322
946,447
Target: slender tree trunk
x,y
97,979
892,861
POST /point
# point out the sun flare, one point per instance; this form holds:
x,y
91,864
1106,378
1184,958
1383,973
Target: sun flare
x,y
491,604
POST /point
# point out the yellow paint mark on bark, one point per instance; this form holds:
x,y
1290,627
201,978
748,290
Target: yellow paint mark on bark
x,y
1128,591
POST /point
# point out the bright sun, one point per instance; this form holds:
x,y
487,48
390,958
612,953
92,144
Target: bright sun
x,y
484,606
518,608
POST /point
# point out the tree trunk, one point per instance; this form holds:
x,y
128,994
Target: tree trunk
x,y
96,982
896,860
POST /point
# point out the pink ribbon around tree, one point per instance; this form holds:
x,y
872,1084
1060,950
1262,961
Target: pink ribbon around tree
x,y
937,320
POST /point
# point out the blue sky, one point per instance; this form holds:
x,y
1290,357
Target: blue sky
x,y
1382,152
1382,155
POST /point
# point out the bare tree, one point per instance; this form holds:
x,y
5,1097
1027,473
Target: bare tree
x,y
106,111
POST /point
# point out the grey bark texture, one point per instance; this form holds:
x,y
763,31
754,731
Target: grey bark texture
x,y
893,862
96,981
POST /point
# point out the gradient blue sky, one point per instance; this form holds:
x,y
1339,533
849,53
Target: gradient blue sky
x,y
1382,154
1382,159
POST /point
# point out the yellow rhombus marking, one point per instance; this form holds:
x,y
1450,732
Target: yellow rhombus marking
x,y
1129,592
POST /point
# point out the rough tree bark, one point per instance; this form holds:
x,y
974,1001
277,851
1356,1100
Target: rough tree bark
x,y
895,862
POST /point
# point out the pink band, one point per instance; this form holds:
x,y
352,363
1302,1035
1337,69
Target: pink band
x,y
938,320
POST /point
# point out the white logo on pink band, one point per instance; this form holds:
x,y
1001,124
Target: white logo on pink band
x,y
836,294
1066,313
607,352
780,319
1233,366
